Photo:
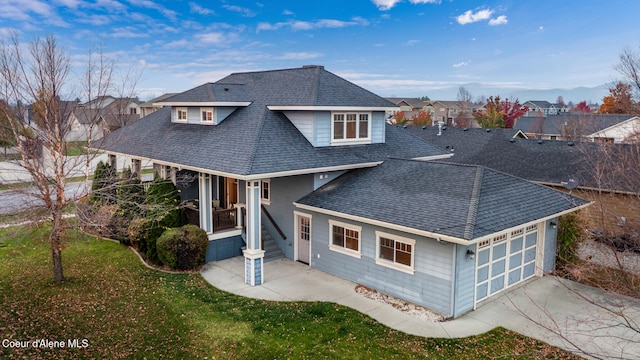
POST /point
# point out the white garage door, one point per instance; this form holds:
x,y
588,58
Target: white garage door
x,y
505,260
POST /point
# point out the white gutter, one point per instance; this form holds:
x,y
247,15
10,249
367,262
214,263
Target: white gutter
x,y
203,103
430,234
329,108
385,224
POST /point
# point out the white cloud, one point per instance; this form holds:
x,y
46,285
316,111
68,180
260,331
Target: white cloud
x,y
287,12
460,64
412,42
127,32
300,55
311,25
242,11
385,4
500,20
195,8
388,4
211,38
541,28
469,16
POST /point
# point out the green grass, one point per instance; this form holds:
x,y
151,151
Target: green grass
x,y
127,310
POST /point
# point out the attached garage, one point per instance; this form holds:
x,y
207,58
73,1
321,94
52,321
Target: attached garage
x,y
446,247
506,260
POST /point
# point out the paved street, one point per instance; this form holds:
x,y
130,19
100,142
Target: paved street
x,y
12,201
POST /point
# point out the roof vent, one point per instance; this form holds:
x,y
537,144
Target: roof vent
x,y
465,129
570,143
424,127
539,141
313,66
404,126
512,140
226,89
488,130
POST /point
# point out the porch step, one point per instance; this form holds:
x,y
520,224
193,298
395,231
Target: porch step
x,y
272,251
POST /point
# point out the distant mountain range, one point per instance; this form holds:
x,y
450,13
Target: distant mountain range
x,y
592,95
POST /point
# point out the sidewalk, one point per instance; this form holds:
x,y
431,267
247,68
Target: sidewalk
x,y
548,300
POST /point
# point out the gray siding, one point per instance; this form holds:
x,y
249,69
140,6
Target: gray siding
x,y
322,121
224,248
326,177
316,126
550,240
429,286
377,127
221,113
464,280
284,191
304,122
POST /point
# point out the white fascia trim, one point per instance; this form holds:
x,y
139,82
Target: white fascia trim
x,y
485,237
384,224
310,171
433,157
204,103
179,166
329,108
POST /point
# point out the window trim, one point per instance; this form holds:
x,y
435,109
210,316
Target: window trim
x,y
392,264
357,139
341,249
267,200
186,111
207,110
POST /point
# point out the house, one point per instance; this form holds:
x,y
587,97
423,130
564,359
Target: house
x,y
538,108
453,113
615,128
148,107
308,158
408,104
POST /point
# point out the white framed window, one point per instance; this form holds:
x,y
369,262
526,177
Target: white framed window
x,y
181,114
396,252
345,238
265,192
206,115
349,127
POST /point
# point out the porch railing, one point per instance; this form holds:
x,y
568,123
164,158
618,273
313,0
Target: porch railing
x,y
224,219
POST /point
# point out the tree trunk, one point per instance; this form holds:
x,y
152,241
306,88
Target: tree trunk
x,y
56,254
56,232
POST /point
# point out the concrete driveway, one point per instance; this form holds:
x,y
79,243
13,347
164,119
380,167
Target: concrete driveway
x,y
574,317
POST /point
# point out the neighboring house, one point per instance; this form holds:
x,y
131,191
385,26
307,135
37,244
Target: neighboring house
x,y
408,104
449,112
626,131
307,157
543,108
150,106
616,128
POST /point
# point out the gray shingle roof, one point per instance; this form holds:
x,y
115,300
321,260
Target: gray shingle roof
x,y
461,201
548,161
254,140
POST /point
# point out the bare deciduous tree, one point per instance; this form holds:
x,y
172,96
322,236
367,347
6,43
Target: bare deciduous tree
x,y
35,80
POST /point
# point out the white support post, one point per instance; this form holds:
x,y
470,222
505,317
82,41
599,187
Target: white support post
x,y
254,272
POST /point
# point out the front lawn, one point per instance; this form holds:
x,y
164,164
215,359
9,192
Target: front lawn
x,y
126,310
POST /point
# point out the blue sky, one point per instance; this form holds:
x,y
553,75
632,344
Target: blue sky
x,y
391,47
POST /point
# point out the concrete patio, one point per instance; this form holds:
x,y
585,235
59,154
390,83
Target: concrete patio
x,y
541,308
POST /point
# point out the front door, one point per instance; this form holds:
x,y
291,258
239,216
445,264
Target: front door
x,y
303,238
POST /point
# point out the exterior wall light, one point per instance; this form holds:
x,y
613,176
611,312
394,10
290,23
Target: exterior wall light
x,y
553,224
470,254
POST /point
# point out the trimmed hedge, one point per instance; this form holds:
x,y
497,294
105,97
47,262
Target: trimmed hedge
x,y
163,212
183,248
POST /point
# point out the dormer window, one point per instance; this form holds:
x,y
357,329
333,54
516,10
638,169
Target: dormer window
x,y
181,114
350,127
206,115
